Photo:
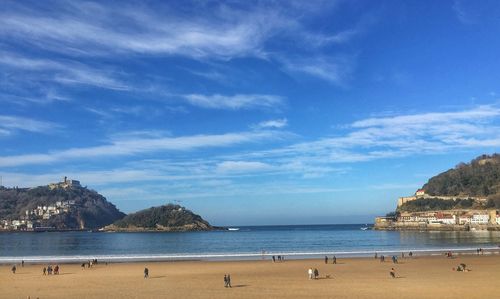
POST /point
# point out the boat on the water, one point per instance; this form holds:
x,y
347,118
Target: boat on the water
x,y
233,228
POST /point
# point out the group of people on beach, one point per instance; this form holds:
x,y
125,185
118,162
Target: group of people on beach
x,y
394,258
49,270
334,259
227,281
313,273
280,258
89,264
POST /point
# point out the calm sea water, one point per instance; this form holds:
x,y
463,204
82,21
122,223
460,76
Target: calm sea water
x,y
247,243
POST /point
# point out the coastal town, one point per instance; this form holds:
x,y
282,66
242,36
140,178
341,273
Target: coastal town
x,y
454,219
33,219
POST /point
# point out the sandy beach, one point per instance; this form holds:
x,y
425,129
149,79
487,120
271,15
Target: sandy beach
x,y
418,277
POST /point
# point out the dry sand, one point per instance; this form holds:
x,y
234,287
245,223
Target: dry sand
x,y
419,277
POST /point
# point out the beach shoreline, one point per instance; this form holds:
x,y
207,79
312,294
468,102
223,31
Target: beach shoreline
x,y
418,277
6,260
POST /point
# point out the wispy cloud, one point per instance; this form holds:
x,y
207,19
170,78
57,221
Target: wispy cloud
x,y
235,102
242,166
63,71
89,29
133,146
336,70
10,124
396,136
197,30
274,124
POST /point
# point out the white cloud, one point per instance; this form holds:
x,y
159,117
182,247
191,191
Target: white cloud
x,y
62,71
274,124
222,33
134,146
397,136
9,123
196,30
243,166
336,70
427,119
235,102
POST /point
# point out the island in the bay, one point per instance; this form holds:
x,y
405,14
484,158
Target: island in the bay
x,y
466,197
67,205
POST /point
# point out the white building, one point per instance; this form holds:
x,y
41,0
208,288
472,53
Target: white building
x,y
480,219
447,219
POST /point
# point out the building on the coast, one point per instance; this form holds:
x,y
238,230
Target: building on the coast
x,y
407,217
446,218
480,219
420,193
28,220
464,219
493,216
65,183
384,220
426,217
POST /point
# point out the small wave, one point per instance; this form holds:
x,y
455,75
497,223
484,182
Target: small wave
x,y
224,256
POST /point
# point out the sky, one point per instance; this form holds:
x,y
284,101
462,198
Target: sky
x,y
248,112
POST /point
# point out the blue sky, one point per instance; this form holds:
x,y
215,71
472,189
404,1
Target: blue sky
x,y
248,112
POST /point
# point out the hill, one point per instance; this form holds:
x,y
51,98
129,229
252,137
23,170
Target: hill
x,y
465,185
163,218
479,178
61,208
435,204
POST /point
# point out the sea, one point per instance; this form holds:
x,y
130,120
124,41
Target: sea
x,y
238,243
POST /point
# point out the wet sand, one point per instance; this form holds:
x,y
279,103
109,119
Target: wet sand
x,y
419,277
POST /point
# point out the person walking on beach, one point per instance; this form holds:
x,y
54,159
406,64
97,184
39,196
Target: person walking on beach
x,y
44,270
225,280
326,259
316,273
229,280
382,259
13,269
334,260
56,270
146,272
310,273
274,259
22,263
375,255
393,273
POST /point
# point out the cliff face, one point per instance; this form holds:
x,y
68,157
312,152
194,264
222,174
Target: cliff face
x,y
65,208
164,218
